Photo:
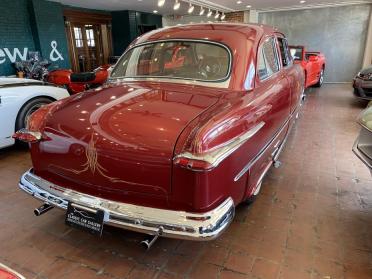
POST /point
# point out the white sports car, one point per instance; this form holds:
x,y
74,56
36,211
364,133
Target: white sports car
x,y
18,99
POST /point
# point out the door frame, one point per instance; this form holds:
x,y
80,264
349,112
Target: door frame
x,y
72,17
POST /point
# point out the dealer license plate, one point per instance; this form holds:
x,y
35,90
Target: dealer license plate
x,y
87,220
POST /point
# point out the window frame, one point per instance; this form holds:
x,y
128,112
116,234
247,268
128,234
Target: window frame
x,y
224,79
287,51
260,49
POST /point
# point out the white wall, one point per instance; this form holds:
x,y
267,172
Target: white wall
x,y
185,19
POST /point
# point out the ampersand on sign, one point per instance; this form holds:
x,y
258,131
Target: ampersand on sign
x,y
54,54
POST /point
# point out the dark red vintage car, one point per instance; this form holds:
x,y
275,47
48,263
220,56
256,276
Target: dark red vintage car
x,y
171,144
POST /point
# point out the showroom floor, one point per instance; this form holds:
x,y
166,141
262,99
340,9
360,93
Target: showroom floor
x,y
313,218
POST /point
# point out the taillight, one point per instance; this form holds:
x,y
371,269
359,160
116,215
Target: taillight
x,y
35,125
192,164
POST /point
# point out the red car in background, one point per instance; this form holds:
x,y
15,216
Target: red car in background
x,y
79,82
188,124
313,64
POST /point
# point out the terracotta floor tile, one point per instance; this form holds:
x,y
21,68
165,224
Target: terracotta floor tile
x,y
313,217
265,269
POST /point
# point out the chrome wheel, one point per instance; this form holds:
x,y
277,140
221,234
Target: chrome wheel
x,y
321,77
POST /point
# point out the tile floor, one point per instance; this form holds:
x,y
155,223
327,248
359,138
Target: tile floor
x,y
313,218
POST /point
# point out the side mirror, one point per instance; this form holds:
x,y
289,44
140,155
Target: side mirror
x,y
313,58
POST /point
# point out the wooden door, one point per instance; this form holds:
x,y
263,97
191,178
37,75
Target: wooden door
x,y
88,46
89,39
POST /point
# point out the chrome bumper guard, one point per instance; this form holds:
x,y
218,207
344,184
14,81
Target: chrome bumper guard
x,y
153,221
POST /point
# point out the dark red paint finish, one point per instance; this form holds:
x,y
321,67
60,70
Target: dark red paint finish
x,y
133,130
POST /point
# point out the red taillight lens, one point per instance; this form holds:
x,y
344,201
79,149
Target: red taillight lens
x,y
35,125
193,164
27,136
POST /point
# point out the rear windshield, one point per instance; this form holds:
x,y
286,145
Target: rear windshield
x,y
175,59
297,53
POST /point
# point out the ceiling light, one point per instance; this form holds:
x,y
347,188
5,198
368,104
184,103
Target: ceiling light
x,y
223,16
217,15
191,8
209,13
239,2
202,11
248,6
302,2
177,5
161,3
155,11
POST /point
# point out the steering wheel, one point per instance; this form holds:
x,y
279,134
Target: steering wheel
x,y
210,67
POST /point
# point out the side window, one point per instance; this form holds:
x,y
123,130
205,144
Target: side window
x,y
267,59
284,52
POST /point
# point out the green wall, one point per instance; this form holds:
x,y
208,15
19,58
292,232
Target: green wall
x,y
125,27
33,25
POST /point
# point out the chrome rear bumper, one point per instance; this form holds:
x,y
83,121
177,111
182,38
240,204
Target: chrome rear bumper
x,y
154,221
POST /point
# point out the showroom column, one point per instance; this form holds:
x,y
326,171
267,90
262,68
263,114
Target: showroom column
x,y
48,30
367,60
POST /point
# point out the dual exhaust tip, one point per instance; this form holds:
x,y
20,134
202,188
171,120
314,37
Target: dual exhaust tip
x,y
42,209
147,244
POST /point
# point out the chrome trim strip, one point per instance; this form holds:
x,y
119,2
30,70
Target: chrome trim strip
x,y
215,157
264,149
211,83
154,221
365,159
11,271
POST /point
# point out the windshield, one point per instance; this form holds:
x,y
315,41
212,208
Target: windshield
x,y
175,59
297,53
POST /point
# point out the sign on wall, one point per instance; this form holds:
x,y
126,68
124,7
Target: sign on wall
x,y
15,54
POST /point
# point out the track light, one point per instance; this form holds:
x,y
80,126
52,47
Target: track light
x,y
191,8
202,11
217,15
161,3
223,16
177,5
209,13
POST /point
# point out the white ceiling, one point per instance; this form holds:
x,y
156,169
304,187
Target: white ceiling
x,y
167,9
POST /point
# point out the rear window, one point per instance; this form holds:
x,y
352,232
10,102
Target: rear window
x,y
175,59
297,53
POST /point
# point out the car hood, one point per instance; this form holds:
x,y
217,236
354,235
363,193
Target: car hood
x,y
120,138
18,81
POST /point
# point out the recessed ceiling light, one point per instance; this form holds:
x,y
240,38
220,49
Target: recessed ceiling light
x,y
161,3
248,6
302,2
202,11
239,2
191,8
155,11
177,5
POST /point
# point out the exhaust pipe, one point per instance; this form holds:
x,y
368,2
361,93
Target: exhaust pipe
x,y
149,242
42,209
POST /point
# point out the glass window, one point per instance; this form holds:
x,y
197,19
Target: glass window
x,y
297,53
90,38
175,59
267,59
78,37
284,53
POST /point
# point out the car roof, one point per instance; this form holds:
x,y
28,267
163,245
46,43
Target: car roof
x,y
228,33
